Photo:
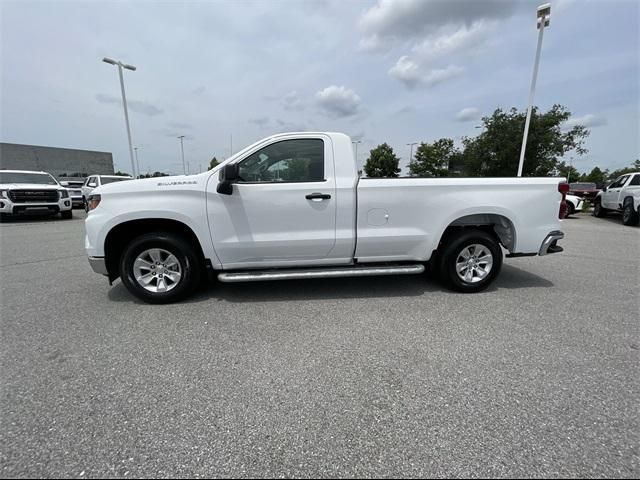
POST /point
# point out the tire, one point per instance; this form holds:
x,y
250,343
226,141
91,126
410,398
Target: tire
x,y
629,215
570,209
185,256
85,205
470,241
67,215
598,210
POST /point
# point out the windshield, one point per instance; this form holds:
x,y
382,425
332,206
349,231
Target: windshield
x,y
106,180
583,186
38,178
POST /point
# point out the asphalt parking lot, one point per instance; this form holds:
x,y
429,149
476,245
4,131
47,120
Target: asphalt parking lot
x,y
370,377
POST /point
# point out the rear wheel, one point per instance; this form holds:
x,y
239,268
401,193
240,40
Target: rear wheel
x,y
160,267
598,210
629,214
471,261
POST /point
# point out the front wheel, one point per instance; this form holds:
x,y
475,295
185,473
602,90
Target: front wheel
x,y
629,215
67,214
598,210
160,267
570,209
471,261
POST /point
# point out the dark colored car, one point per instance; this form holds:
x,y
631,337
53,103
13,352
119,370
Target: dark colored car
x,y
586,190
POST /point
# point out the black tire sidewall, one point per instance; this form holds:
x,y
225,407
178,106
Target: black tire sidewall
x,y
630,218
598,209
447,264
67,214
175,244
570,209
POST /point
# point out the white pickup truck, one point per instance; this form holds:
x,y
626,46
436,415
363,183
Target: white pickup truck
x,y
292,206
623,195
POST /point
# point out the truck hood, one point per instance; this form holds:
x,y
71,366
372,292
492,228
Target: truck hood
x,y
29,186
178,182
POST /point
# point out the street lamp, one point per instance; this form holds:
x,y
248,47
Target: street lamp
x,y
356,142
543,16
120,66
137,161
410,145
184,169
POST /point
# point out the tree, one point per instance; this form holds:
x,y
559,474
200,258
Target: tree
x,y
496,151
382,162
635,167
213,163
434,159
570,172
596,176
119,173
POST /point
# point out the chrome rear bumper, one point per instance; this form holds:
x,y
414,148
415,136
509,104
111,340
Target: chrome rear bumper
x,y
550,244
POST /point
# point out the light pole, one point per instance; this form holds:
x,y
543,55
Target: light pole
x,y
137,161
184,168
543,15
410,145
355,143
120,66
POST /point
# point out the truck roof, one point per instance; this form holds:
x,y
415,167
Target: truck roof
x,y
24,171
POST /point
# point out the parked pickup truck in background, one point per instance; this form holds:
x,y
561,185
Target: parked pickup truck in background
x,y
24,192
292,206
623,195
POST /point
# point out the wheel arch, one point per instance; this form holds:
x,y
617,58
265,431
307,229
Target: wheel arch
x,y
497,224
121,235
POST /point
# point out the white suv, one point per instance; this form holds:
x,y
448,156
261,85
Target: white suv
x,y
623,195
24,192
94,181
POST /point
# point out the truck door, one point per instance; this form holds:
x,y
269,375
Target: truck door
x,y
282,210
612,195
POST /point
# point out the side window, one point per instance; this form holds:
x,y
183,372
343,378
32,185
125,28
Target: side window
x,y
299,160
622,181
635,180
92,182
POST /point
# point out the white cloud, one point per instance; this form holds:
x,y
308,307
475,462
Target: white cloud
x,y
468,114
409,19
338,101
433,30
448,41
589,120
413,74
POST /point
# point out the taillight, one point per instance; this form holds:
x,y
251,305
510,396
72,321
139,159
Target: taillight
x,y
563,188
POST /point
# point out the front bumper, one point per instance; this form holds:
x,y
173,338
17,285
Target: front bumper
x,y
7,207
550,243
98,265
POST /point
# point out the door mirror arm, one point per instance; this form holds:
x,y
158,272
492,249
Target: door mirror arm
x,y
229,174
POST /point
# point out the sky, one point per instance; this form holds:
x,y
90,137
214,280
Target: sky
x,y
227,73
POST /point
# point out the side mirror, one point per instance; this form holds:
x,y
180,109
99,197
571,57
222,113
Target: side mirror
x,y
228,175
604,189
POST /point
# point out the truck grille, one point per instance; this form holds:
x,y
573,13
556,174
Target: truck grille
x,y
33,196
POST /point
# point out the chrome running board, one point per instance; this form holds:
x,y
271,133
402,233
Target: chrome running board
x,y
298,274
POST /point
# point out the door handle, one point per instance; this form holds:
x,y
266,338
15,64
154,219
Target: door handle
x,y
317,197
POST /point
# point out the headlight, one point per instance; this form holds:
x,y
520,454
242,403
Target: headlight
x,y
4,193
64,194
93,201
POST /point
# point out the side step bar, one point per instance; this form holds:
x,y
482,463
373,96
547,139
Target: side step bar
x,y
260,275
